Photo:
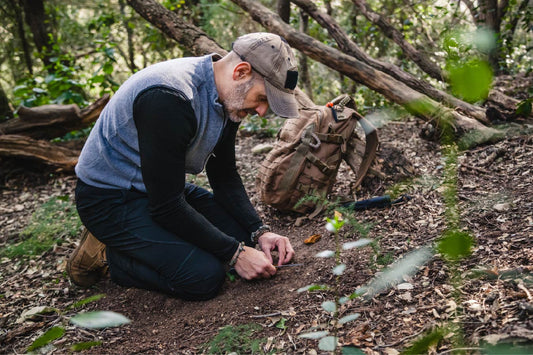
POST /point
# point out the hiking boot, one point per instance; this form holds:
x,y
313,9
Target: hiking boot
x,y
87,263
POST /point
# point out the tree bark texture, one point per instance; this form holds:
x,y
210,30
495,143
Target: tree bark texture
x,y
28,136
190,36
35,16
5,108
303,66
51,121
16,146
284,10
19,23
129,32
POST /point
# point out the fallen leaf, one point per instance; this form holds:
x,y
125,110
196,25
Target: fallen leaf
x,y
313,239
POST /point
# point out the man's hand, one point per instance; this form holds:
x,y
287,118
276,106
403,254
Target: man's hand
x,y
271,241
253,264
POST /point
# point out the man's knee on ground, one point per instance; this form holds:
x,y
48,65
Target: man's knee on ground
x,y
200,283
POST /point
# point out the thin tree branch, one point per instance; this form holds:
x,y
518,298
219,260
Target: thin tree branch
x,y
409,50
349,47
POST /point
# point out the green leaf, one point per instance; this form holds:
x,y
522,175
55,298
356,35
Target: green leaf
x,y
108,68
349,318
314,335
313,288
281,323
329,306
524,108
351,350
84,345
89,299
325,254
339,269
328,343
471,80
52,334
39,91
455,244
343,300
356,244
99,319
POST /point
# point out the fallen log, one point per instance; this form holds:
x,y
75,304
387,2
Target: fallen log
x,y
51,121
27,136
17,146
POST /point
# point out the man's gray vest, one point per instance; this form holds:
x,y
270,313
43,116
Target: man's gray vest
x,y
110,157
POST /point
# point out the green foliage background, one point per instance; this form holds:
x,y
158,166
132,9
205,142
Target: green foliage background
x,y
89,52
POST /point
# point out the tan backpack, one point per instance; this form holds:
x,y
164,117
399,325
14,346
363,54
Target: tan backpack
x,y
308,152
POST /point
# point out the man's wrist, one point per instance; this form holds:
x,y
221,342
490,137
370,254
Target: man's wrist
x,y
238,252
259,232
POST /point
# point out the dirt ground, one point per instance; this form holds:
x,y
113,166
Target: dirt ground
x,y
495,186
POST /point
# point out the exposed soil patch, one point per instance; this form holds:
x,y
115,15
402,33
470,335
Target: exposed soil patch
x,y
495,185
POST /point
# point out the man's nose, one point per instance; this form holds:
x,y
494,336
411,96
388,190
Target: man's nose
x,y
262,109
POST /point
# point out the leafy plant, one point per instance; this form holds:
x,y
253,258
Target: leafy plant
x,y
50,223
328,340
267,126
91,320
237,339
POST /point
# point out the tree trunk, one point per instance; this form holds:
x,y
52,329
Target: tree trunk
x,y
284,10
129,32
51,121
19,23
191,37
6,112
303,66
489,14
42,35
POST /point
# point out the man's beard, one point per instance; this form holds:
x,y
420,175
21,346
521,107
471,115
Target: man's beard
x,y
233,104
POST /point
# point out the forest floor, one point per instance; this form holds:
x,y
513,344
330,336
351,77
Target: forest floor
x,y
484,299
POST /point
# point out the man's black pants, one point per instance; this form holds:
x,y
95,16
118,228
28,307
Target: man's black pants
x,y
142,254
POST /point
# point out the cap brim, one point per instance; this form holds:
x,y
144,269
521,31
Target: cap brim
x,y
283,104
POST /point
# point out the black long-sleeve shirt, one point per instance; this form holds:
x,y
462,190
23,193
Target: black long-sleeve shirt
x,y
166,124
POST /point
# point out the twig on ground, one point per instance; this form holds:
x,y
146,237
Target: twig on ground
x,y
401,340
266,315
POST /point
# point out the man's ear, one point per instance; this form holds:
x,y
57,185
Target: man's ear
x,y
242,71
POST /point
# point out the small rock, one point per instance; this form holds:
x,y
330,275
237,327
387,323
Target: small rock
x,y
473,305
405,286
262,148
500,207
406,296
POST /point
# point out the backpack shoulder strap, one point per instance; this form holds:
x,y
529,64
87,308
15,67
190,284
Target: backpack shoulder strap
x,y
371,146
371,138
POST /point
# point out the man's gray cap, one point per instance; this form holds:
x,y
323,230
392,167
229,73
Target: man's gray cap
x,y
272,57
